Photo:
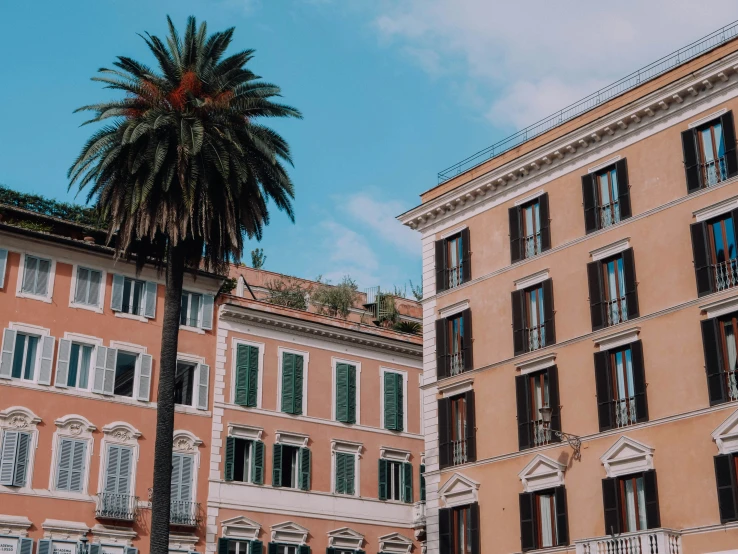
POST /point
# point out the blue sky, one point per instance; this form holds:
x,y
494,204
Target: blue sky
x,y
392,92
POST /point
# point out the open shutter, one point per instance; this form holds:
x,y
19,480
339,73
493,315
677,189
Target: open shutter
x,y
144,378
390,401
351,394
444,426
256,547
629,272
288,383
589,199
474,528
518,322
110,362
299,361
603,386
548,312
208,302
98,379
440,265
621,170
257,464
731,161
77,468
25,545
342,392
304,461
471,429
442,361
691,160
639,381
467,339
726,487
150,300
8,457
382,480
185,491
611,503
64,464
651,494
124,471
47,360
466,259
555,401
713,361
445,530
116,298
223,546
277,465
562,521
596,295
515,245
407,482
521,392
422,482
44,546
21,459
6,356
545,222
230,454
62,363
242,375
3,265
700,253
528,527
202,386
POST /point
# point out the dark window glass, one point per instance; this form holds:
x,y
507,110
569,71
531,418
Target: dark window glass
x,y
242,460
722,246
125,372
607,193
711,150
729,345
456,343
289,466
184,383
24,356
531,225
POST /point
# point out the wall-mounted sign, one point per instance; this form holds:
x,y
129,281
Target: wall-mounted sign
x,y
112,549
63,547
8,545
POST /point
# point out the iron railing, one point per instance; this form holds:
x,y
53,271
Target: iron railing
x,y
610,214
731,383
617,311
460,455
455,275
651,541
532,245
536,337
119,507
635,79
541,433
456,363
726,274
625,411
184,514
714,172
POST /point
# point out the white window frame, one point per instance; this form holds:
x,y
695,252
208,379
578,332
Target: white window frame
x,y
346,447
187,443
83,340
28,329
261,347
136,349
23,420
197,328
296,440
305,364
118,433
334,362
22,271
98,308
197,360
382,371
78,428
126,315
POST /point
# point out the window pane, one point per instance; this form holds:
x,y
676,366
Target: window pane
x,y
125,372
730,233
545,505
19,352
194,314
183,383
84,366
137,307
127,284
30,364
73,366
707,145
183,309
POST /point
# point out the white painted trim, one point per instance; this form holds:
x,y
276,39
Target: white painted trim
x,y
291,438
535,364
186,443
190,329
453,309
242,431
603,165
64,531
619,338
726,435
610,249
345,538
289,532
305,364
134,317
118,433
74,427
37,331
261,347
707,118
394,543
530,197
542,473
241,527
347,447
14,525
459,387
101,293
394,454
720,208
21,419
530,280
721,307
627,456
335,361
196,360
459,490
49,285
382,371
453,232
89,340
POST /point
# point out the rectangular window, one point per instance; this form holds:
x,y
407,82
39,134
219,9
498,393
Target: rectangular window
x,y
247,375
613,297
453,261
459,530
539,398
458,430
454,344
535,391
243,460
345,393
711,152
292,382
290,466
607,197
726,470
543,519
616,304
25,357
533,318
239,547
546,508
182,509
133,296
184,383
720,340
36,276
286,549
70,468
14,458
394,480
87,287
394,395
125,373
531,219
632,503
80,366
116,501
191,312
621,386
621,361
721,238
345,473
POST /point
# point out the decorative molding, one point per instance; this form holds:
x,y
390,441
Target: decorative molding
x,y
542,473
604,164
610,249
18,418
707,118
394,454
530,197
726,435
121,432
619,338
58,529
530,280
108,534
289,532
453,309
75,426
182,541
455,231
458,387
720,208
394,543
245,431
534,364
720,307
14,525
459,490
345,537
291,438
241,527
348,447
185,441
627,456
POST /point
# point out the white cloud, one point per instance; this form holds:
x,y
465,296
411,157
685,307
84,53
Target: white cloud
x,y
380,217
348,253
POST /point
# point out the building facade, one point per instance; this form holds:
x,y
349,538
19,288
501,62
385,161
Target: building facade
x,y
579,388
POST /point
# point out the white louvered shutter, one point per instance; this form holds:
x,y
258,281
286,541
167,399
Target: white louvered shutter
x,y
21,459
144,378
29,274
44,546
42,281
93,296
116,299
77,471
112,469
62,362
47,360
150,303
185,487
64,464
124,470
98,378
6,356
207,311
202,386
25,545
82,285
176,476
8,457
3,265
109,380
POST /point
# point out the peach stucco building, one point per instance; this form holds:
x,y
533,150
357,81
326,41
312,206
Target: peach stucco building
x,y
591,403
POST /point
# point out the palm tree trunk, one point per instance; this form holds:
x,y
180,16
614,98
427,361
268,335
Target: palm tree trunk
x,y
161,496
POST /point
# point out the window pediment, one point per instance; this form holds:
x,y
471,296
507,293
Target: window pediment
x,y
58,529
345,537
121,432
459,490
14,525
289,532
18,418
184,441
394,454
245,431
627,456
75,426
394,543
542,473
241,528
726,435
293,439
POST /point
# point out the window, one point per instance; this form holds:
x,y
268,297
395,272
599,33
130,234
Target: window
x,y
621,386
118,372
456,430
535,391
454,344
395,480
543,520
394,400
182,510
74,365
234,546
459,529
710,153
70,468
726,469
115,501
612,290
345,392
292,383
286,549
606,197
631,503
87,287
197,310
533,317
453,261
36,276
291,467
133,296
345,473
721,358
3,266
247,375
125,373
715,256
530,233
25,356
184,383
14,458
244,461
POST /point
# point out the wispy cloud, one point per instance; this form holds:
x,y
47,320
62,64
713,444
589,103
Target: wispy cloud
x,y
379,216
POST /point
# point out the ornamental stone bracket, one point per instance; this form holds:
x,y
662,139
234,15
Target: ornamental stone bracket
x,y
18,418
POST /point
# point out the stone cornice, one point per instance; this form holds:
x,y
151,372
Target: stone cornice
x,y
591,138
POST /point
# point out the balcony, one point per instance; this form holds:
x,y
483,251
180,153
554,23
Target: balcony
x,y
184,514
455,276
726,274
532,245
116,507
625,411
536,337
459,453
652,541
541,434
617,311
609,215
457,363
714,171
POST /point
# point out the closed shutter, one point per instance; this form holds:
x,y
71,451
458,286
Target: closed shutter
x,y
611,504
230,454
466,256
621,170
256,547
81,286
521,393
223,546
467,339
95,548
350,473
471,429
596,295
257,463
6,356
589,200
242,374
116,298
442,361
42,281
288,383
150,300
70,465
639,381
382,479
516,253
299,361
518,322
25,545
444,435
98,378
422,482
304,459
729,138
253,376
76,479
303,549
528,526
21,460
351,394
545,222
3,266
700,253
44,546
47,360
407,482
440,265
93,295
713,361
62,363
8,457
691,161
445,530
342,392
725,478
208,303
118,470
341,473
562,520
391,402
548,312
181,478
629,273
474,529
144,379
202,386
555,401
277,465
272,548
603,386
651,494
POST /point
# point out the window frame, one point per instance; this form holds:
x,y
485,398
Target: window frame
x,y
198,362
98,307
700,147
138,351
74,428
353,449
236,341
20,293
404,373
335,360
198,325
82,340
305,365
118,433
30,420
40,333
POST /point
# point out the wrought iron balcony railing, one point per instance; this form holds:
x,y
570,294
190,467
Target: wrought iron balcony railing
x,y
714,172
731,383
651,541
455,275
456,363
184,514
610,214
541,433
726,274
119,507
617,311
536,337
625,411
532,245
459,452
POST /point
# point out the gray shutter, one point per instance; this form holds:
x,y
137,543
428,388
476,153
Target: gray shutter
x,y
7,457
44,546
6,357
47,360
81,285
207,311
42,281
93,297
176,476
110,361
98,377
95,548
185,490
111,469
62,362
150,303
77,470
124,470
21,459
25,545
202,386
116,299
144,378
130,550
3,264
30,267
64,464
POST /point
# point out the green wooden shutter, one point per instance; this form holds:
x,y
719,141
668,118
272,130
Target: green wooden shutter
x,y
351,407
399,387
277,465
299,361
222,546
342,392
288,383
390,401
256,547
242,375
257,463
253,376
407,482
272,549
350,466
340,473
230,454
382,493
303,549
303,458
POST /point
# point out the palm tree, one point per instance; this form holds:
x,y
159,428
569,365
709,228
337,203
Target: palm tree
x,y
181,172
